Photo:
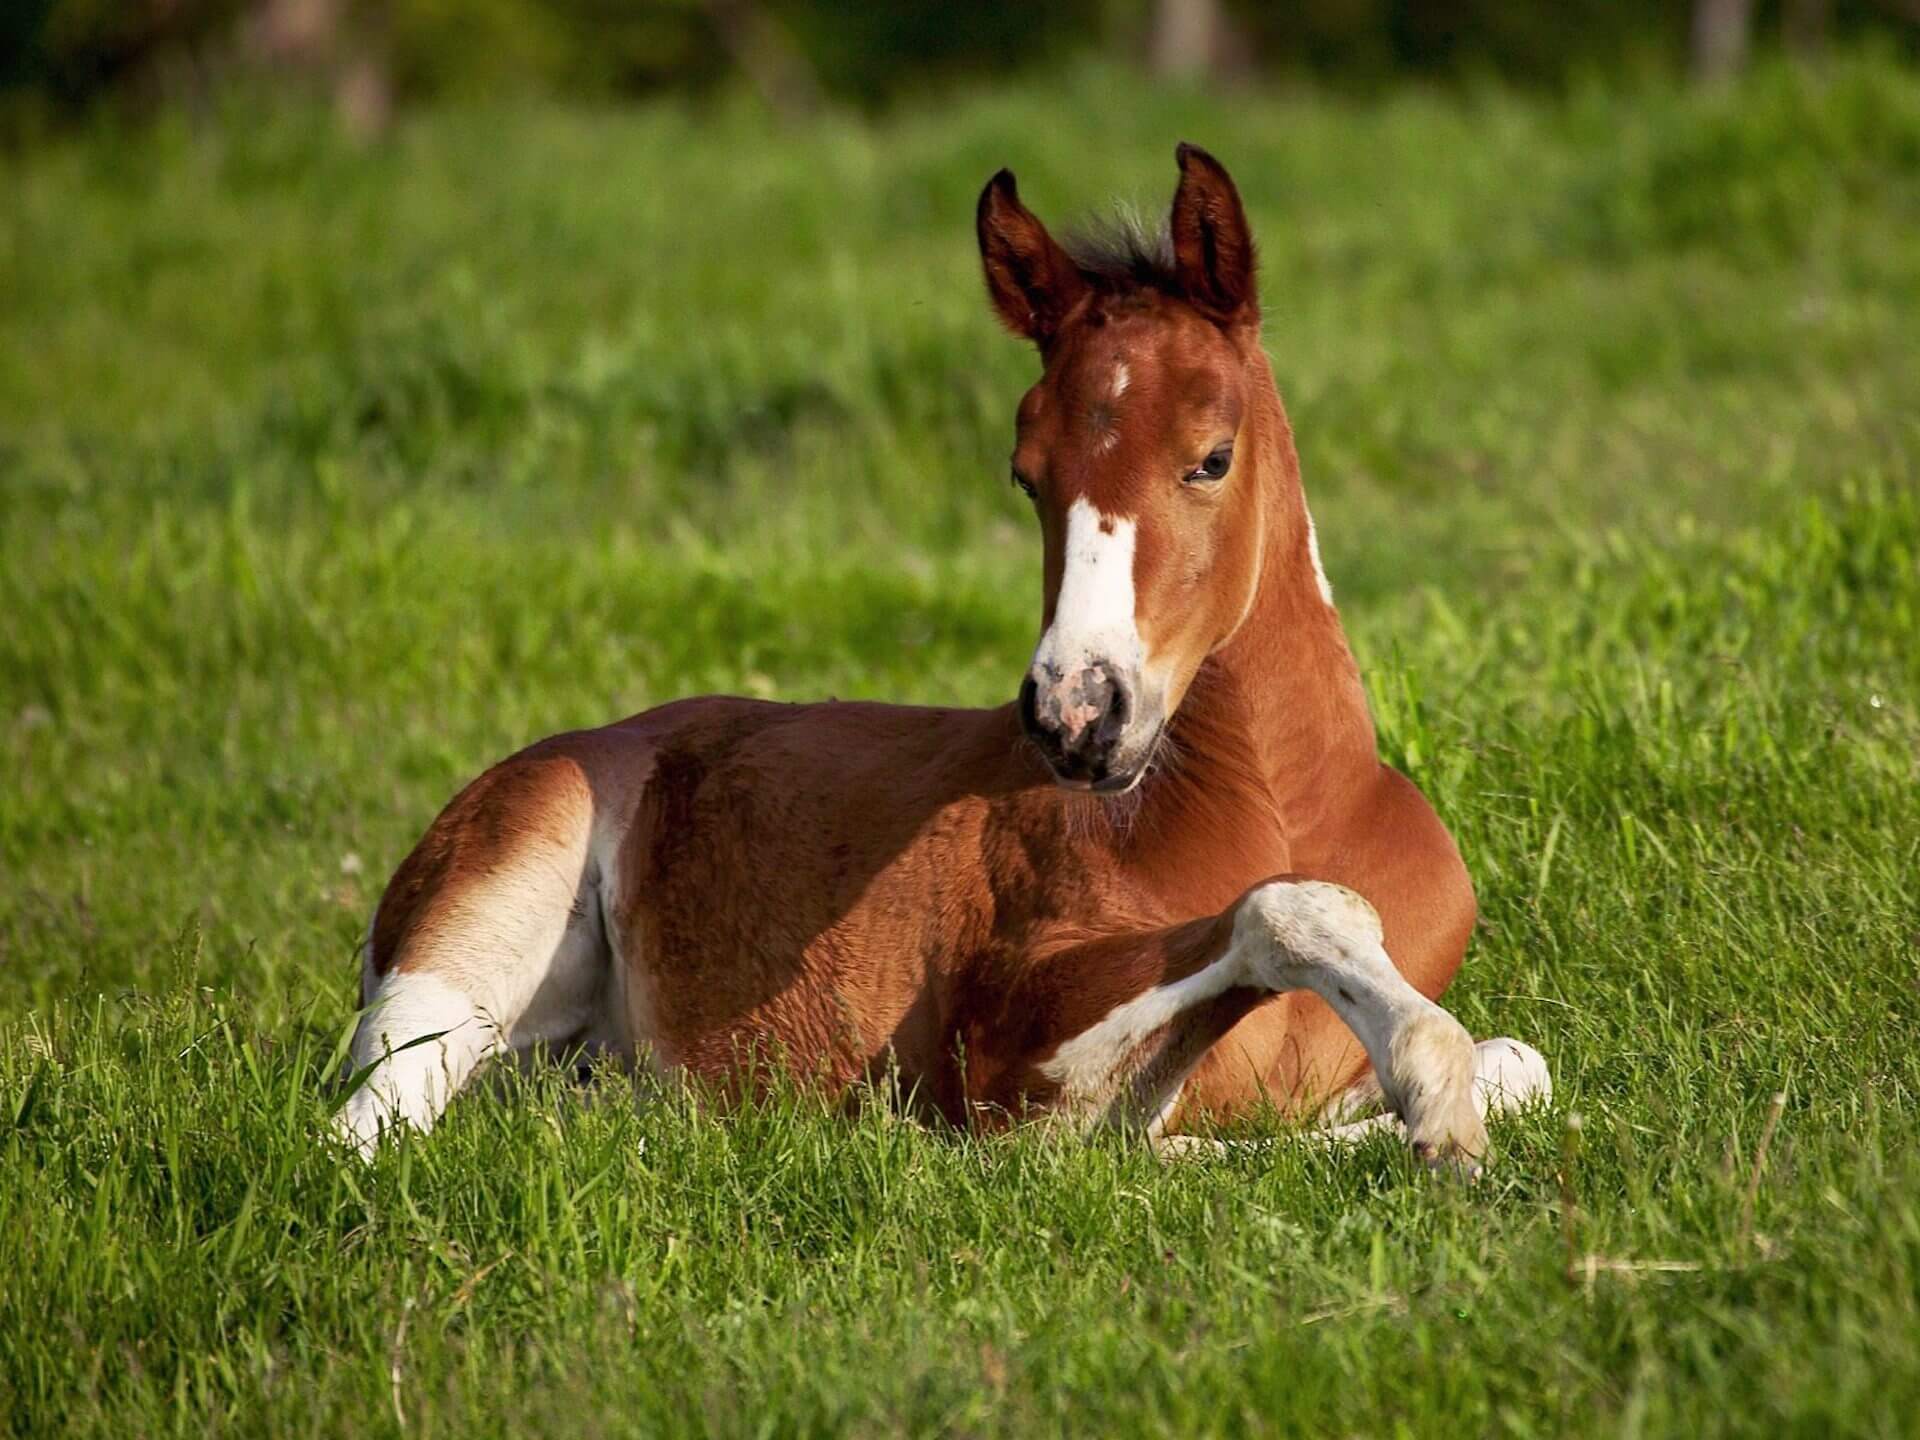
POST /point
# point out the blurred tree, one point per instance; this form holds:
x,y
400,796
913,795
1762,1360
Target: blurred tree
x,y
330,39
1189,38
58,56
72,50
874,53
1804,25
1376,40
764,50
1722,35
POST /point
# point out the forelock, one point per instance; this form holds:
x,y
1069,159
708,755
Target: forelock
x,y
1118,252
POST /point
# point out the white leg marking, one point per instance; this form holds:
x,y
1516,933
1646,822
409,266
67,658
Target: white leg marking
x,y
1354,1131
1190,1147
1508,1075
1313,936
367,978
412,1082
1089,1066
1362,1098
1326,939
1157,1126
508,965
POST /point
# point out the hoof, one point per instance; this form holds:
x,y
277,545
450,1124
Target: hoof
x,y
356,1132
1434,1092
1450,1158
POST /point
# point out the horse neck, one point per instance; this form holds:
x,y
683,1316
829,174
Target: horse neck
x,y
1277,715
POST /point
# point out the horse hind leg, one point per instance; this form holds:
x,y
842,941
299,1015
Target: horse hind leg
x,y
489,941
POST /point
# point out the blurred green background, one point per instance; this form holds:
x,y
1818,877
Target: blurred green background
x,y
61,58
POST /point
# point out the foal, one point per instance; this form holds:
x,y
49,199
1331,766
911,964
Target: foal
x,y
1268,914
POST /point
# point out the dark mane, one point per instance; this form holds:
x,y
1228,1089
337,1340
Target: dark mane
x,y
1119,253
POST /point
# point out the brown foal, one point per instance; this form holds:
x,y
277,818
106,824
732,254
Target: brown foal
x,y
1172,881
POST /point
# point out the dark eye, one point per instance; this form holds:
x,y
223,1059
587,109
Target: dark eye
x,y
1023,484
1214,466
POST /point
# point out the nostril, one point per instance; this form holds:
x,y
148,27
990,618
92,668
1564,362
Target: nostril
x,y
1030,707
1077,719
1119,711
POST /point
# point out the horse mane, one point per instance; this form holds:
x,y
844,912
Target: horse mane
x,y
1119,252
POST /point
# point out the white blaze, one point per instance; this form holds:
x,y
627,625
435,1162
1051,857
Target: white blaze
x,y
1093,614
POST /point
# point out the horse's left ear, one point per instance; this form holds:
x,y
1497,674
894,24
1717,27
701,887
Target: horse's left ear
x,y
1212,244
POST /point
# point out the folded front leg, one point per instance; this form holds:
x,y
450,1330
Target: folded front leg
x,y
1101,1031
1508,1075
1108,1030
1310,935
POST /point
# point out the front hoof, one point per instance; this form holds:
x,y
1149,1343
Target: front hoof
x,y
1465,1156
1452,1138
1434,1068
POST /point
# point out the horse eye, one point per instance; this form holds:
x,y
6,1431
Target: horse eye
x,y
1023,485
1214,466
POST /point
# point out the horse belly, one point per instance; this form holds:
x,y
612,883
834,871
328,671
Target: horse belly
x,y
730,996
766,920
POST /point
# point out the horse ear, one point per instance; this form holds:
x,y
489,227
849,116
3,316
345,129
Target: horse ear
x,y
1030,279
1212,244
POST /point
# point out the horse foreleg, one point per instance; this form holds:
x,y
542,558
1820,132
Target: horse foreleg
x,y
1109,1030
1325,938
1508,1075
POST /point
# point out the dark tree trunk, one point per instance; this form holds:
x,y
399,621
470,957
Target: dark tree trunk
x,y
1722,35
1189,40
1804,25
765,52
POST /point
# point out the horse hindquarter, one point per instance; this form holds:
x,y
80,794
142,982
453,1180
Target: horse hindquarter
x,y
490,940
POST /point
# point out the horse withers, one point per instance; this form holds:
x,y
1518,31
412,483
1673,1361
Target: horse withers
x,y
1170,882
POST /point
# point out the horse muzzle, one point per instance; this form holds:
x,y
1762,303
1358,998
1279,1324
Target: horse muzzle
x,y
1086,724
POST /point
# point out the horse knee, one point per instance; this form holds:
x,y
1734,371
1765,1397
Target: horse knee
x,y
1301,923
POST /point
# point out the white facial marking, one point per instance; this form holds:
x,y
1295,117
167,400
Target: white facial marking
x,y
1122,378
1093,615
1319,570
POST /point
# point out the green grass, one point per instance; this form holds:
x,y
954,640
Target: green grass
x,y
328,476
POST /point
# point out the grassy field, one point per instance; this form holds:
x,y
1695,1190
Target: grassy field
x,y
328,476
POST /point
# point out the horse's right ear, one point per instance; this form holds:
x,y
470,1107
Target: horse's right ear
x,y
1030,279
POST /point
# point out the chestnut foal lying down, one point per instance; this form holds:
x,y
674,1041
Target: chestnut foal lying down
x,y
1171,881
